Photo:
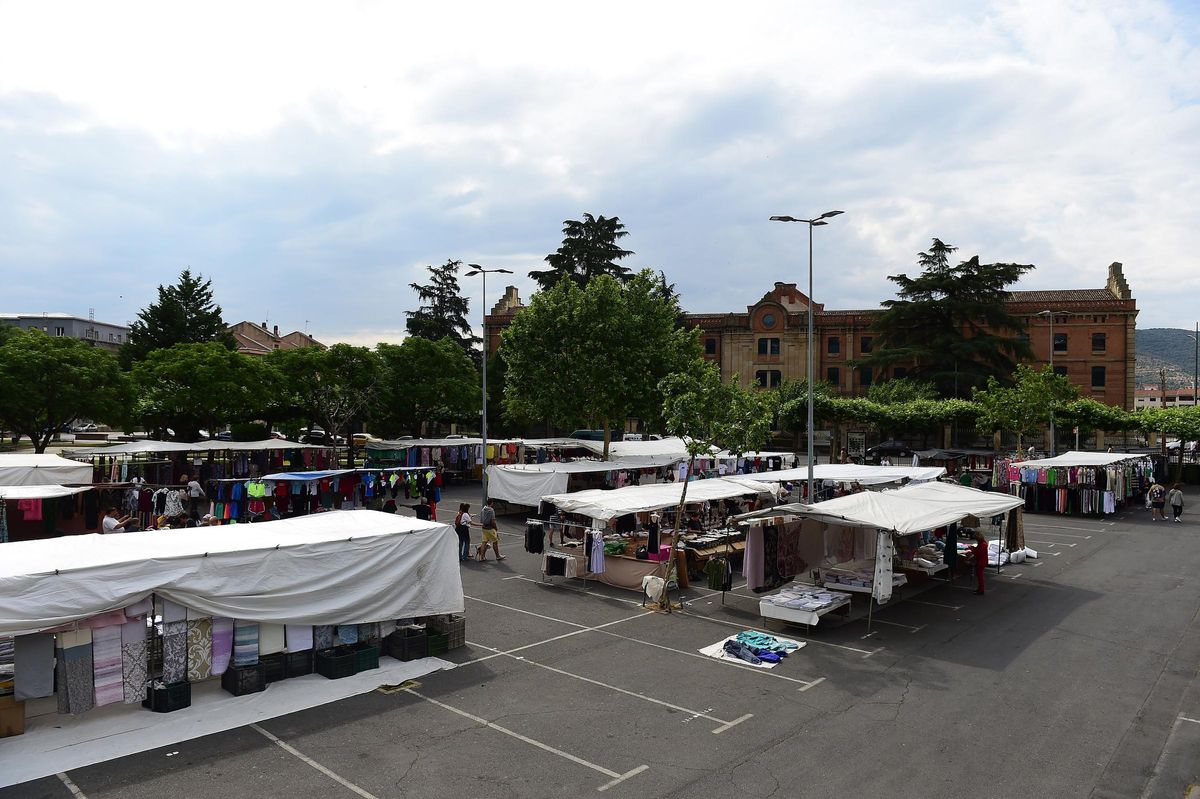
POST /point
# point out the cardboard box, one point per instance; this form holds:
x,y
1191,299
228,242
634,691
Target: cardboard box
x,y
12,716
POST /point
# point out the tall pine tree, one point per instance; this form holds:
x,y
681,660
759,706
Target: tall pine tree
x,y
443,313
184,314
589,249
949,325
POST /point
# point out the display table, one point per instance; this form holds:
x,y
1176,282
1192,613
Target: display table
x,y
620,571
804,597
897,581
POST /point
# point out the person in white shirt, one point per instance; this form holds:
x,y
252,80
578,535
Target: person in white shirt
x,y
195,495
112,524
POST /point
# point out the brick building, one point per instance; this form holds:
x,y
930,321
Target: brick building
x,y
254,339
767,344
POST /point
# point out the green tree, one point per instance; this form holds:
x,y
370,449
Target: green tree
x,y
949,325
184,314
192,386
424,381
1182,423
902,389
705,411
593,354
1023,407
333,387
443,312
47,382
589,249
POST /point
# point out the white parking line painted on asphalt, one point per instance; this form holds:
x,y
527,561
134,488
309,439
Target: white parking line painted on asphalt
x,y
562,587
331,775
865,653
934,604
1013,575
1050,543
522,648
908,627
1193,721
616,778
734,723
71,786
1040,527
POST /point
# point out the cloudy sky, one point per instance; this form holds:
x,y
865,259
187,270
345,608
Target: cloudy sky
x,y
313,159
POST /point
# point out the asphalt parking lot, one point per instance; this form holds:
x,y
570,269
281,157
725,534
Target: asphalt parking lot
x,y
1074,676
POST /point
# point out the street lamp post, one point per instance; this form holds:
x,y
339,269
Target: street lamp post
x,y
820,220
476,269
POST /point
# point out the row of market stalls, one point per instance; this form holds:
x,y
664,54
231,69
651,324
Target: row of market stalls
x,y
1076,483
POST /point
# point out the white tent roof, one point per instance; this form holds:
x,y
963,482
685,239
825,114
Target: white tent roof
x,y
28,469
210,445
911,509
133,448
1075,458
855,473
40,492
527,484
405,443
328,568
600,504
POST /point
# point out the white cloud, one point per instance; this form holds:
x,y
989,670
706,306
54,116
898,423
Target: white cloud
x,y
314,157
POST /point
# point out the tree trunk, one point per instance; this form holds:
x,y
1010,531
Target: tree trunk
x,y
607,439
666,565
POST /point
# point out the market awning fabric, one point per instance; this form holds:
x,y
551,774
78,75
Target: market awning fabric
x,y
306,477
28,469
600,504
854,473
1074,458
40,492
149,447
911,509
340,567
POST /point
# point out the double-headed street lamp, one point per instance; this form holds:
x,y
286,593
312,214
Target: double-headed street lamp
x,y
476,269
820,220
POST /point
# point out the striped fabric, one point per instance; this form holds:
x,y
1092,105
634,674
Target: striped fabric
x,y
245,643
106,665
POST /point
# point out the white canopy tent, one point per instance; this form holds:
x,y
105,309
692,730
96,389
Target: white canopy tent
x,y
330,568
855,473
405,443
527,484
149,447
28,470
635,454
788,459
605,505
40,491
1075,458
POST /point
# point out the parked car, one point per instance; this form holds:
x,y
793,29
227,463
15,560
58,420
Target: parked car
x,y
90,427
225,435
632,437
362,439
588,435
893,449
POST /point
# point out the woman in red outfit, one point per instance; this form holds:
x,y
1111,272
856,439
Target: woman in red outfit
x,y
979,553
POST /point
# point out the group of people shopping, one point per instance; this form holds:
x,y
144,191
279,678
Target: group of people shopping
x,y
487,525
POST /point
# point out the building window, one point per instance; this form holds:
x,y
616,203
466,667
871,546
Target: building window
x,y
768,378
710,346
865,376
834,376
768,346
900,372
835,345
1098,375
1061,371
1060,343
1099,342
60,332
864,344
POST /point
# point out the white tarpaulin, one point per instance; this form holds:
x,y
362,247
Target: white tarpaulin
x,y
406,443
30,470
600,504
40,492
147,447
341,567
155,447
911,509
854,473
787,459
1075,458
527,484
653,452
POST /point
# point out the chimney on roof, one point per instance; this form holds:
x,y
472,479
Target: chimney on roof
x,y
1117,285
275,332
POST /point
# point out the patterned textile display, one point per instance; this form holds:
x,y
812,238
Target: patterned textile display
x,y
245,643
33,665
134,668
199,649
299,637
348,633
106,665
270,638
174,652
76,692
323,636
222,644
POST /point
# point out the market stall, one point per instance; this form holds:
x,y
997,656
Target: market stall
x,y
460,457
1078,483
28,469
137,618
525,484
41,511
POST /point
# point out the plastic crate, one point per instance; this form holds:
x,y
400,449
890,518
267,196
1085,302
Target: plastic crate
x,y
335,663
168,697
297,664
438,643
241,680
274,667
453,626
407,643
366,657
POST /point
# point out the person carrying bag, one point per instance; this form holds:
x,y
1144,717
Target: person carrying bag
x,y
462,526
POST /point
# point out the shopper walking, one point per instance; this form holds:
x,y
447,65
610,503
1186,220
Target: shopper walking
x,y
462,526
195,496
1158,501
491,535
979,553
1175,499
